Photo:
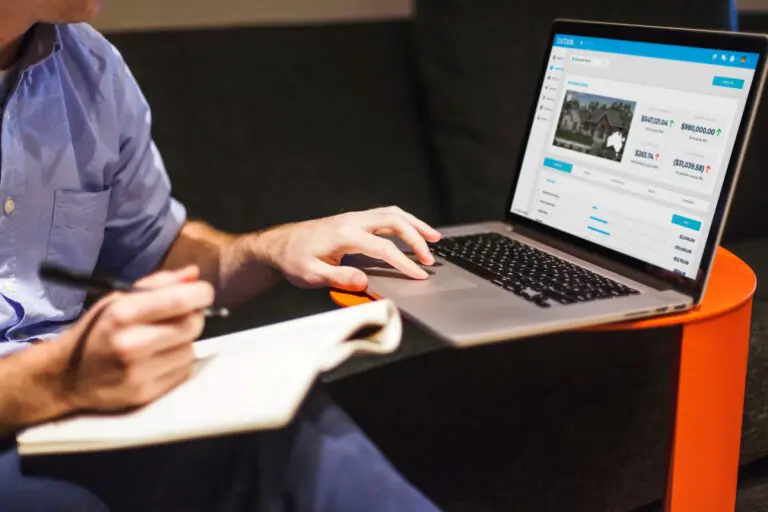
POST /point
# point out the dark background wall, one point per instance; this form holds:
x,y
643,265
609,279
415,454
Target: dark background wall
x,y
754,21
150,14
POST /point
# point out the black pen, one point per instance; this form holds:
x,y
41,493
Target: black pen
x,y
101,286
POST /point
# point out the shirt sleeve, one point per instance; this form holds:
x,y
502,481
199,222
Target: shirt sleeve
x,y
144,219
9,347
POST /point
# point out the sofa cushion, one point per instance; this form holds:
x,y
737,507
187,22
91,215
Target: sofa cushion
x,y
571,421
479,61
754,442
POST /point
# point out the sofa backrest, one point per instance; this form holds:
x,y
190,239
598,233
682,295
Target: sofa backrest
x,y
260,126
747,218
478,64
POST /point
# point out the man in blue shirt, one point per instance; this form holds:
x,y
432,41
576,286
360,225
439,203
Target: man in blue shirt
x,y
83,185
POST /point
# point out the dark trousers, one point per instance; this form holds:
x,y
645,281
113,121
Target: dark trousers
x,y
322,462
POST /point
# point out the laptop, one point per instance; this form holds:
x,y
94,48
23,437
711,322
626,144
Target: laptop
x,y
620,195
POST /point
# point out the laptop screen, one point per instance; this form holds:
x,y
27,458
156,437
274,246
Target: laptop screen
x,y
630,145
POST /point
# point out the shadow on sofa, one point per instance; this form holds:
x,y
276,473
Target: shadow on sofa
x,y
260,126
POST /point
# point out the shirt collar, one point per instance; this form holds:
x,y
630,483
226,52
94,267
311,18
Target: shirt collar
x,y
42,41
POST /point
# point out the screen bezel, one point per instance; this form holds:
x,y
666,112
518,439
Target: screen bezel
x,y
718,40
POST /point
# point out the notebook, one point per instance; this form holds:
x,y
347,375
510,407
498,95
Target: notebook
x,y
248,381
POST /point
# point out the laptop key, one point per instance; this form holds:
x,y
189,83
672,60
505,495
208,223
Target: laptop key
x,y
527,272
559,297
473,267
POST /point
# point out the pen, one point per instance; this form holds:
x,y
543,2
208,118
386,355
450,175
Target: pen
x,y
100,285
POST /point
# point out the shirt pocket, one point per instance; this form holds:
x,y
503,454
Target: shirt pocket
x,y
77,233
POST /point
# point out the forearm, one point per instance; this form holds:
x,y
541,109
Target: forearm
x,y
31,387
236,265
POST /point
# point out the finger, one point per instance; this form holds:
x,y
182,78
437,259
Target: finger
x,y
376,247
343,278
186,274
392,224
160,304
161,375
89,322
145,341
168,361
173,379
428,232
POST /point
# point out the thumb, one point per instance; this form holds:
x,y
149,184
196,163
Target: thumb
x,y
346,278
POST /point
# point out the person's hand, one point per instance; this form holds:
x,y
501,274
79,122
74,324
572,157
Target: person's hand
x,y
309,253
138,345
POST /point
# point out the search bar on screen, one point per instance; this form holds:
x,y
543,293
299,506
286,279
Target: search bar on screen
x,y
596,62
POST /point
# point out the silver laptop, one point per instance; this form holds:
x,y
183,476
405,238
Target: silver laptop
x,y
619,198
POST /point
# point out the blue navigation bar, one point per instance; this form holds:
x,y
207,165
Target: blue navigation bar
x,y
685,222
558,165
728,58
731,83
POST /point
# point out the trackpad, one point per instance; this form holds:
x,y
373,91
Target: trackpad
x,y
389,282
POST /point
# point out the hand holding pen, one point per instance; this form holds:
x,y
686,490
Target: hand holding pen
x,y
131,348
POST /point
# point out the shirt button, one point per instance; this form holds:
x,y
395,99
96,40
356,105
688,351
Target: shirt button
x,y
9,206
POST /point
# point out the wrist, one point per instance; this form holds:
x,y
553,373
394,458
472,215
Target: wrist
x,y
249,266
57,377
265,247
34,389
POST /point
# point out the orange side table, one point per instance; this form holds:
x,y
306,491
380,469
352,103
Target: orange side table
x,y
704,458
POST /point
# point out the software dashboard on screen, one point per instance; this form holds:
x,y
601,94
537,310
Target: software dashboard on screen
x,y
630,144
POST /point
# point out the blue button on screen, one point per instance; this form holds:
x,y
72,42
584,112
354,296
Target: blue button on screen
x,y
731,83
558,165
685,222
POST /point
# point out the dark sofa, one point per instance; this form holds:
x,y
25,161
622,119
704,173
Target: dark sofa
x,y
260,126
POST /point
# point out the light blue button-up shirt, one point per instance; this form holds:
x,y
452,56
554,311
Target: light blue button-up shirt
x,y
81,181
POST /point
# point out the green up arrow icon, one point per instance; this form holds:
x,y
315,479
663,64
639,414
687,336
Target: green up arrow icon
x,y
719,131
671,123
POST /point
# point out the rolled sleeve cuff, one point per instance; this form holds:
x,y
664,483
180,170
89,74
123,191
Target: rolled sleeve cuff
x,y
149,258
10,347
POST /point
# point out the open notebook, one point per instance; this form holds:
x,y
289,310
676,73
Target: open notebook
x,y
247,381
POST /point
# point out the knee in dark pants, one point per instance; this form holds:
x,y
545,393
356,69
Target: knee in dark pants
x,y
23,491
50,495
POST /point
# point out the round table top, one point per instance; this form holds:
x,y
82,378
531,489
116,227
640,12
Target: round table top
x,y
731,285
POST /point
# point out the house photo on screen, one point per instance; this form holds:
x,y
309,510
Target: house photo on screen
x,y
595,125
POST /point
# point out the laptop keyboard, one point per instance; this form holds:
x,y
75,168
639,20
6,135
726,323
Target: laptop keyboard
x,y
527,272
